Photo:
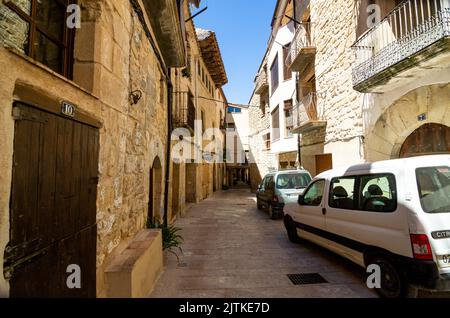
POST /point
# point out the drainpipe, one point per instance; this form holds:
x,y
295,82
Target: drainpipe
x,y
299,141
294,13
296,86
169,145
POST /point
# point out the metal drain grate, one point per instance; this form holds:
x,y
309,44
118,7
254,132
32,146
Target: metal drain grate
x,y
306,279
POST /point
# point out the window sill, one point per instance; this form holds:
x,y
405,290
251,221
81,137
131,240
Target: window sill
x,y
48,70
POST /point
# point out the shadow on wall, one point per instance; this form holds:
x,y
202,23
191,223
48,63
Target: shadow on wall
x,y
255,177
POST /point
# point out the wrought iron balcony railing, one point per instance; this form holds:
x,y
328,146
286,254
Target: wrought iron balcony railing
x,y
410,28
302,48
307,115
262,83
183,113
289,121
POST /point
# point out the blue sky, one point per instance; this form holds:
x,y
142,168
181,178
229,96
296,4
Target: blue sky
x,y
242,28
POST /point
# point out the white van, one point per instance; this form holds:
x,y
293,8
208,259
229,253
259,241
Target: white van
x,y
394,213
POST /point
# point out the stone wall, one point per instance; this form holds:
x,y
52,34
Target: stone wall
x,y
13,29
334,31
131,139
200,176
261,159
386,136
113,57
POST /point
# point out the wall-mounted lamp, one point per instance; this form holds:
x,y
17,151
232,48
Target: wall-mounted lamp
x,y
363,139
135,96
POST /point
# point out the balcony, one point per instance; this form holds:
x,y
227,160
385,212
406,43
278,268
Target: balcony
x,y
262,83
183,113
415,34
307,116
302,50
167,23
289,126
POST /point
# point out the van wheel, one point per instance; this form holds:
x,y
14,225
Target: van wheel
x,y
393,282
291,229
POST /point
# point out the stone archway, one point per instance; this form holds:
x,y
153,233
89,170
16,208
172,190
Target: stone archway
x,y
155,190
425,140
419,107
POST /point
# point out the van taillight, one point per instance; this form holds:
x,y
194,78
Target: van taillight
x,y
421,247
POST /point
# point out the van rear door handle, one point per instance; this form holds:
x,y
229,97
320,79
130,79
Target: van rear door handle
x,y
324,211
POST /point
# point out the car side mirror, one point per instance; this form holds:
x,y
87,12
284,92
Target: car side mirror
x,y
301,199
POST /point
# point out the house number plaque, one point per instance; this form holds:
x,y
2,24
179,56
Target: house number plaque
x,y
67,109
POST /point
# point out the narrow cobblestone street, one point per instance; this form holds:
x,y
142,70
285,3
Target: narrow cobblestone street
x,y
233,250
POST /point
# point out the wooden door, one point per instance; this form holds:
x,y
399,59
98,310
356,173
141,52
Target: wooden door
x,y
323,163
53,205
176,204
427,139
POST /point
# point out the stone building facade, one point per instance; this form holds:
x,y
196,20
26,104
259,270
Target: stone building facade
x,y
114,82
405,99
380,100
331,134
211,109
261,159
201,102
237,146
371,84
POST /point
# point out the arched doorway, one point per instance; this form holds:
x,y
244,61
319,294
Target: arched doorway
x,y
155,190
427,139
416,123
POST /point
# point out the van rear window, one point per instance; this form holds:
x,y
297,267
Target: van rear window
x,y
434,188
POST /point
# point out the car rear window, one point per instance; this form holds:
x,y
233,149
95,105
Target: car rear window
x,y
293,181
434,188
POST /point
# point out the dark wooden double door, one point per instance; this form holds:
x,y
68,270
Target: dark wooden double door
x,y
426,140
53,206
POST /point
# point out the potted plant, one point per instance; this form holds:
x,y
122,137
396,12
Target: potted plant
x,y
172,240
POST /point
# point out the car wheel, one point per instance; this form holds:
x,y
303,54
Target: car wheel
x,y
258,205
272,215
291,229
393,283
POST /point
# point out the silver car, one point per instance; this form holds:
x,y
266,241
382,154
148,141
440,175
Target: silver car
x,y
280,188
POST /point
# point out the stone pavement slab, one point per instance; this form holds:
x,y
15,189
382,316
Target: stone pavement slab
x,y
233,250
